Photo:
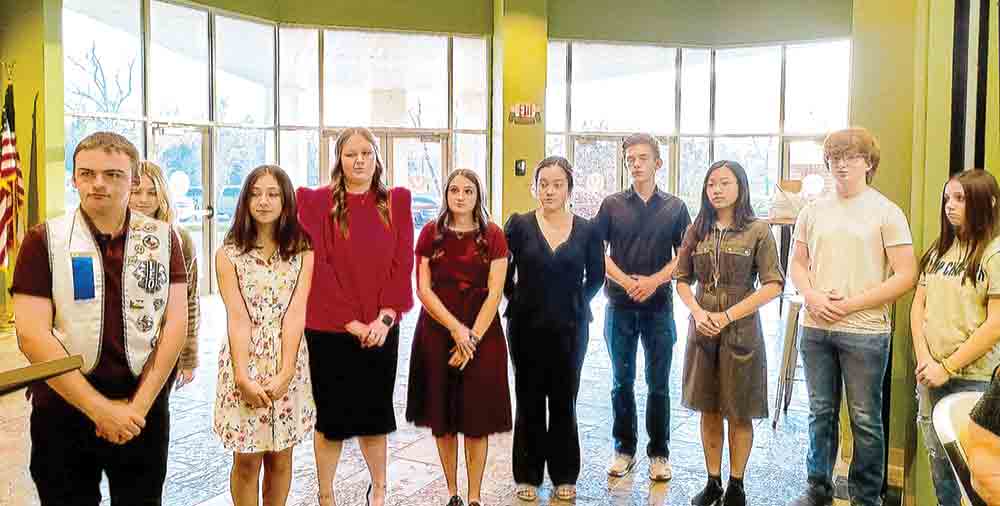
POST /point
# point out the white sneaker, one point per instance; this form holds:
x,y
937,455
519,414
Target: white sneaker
x,y
659,469
621,464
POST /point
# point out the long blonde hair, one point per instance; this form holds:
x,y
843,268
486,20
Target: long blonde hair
x,y
338,182
165,211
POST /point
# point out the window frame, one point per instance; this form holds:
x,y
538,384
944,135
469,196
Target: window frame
x,y
673,141
147,120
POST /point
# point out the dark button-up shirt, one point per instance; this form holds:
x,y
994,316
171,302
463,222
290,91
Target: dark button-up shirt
x,y
643,237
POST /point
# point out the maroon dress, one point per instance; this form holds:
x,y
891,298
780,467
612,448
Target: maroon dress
x,y
474,401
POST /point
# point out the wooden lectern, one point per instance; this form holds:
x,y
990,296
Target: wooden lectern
x,y
19,378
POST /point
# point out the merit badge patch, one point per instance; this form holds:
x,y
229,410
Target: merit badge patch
x,y
145,323
151,275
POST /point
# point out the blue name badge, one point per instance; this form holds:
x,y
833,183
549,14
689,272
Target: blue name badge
x,y
83,277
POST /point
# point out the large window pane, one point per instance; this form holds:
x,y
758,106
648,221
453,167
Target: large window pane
x,y
555,88
816,84
696,90
178,67
806,158
416,164
622,88
102,56
298,81
555,145
77,128
180,152
470,153
759,156
244,74
385,80
694,162
595,174
239,151
470,87
300,156
747,90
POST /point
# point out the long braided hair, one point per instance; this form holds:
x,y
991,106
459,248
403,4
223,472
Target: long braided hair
x,y
479,215
338,182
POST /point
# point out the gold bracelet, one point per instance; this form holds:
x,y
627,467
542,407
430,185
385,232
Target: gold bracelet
x,y
944,365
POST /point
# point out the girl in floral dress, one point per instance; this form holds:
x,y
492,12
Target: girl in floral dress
x,y
264,404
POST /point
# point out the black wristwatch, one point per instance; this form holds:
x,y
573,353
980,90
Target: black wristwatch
x,y
387,320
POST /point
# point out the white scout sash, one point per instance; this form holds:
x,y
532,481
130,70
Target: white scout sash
x,y
78,287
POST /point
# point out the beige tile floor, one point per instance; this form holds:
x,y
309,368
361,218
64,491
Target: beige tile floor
x,y
198,467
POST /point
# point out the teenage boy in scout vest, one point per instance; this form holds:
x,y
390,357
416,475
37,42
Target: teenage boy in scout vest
x,y
107,284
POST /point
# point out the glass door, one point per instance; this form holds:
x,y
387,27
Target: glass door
x,y
597,165
182,152
418,163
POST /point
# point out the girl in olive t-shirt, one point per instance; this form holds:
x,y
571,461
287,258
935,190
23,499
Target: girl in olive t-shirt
x,y
955,319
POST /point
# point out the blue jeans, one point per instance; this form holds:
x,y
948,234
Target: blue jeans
x,y
858,362
945,484
623,328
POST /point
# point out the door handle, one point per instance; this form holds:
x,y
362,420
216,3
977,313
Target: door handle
x,y
207,213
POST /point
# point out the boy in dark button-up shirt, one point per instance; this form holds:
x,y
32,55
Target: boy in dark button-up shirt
x,y
644,227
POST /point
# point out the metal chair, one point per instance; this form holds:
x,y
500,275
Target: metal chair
x,y
951,415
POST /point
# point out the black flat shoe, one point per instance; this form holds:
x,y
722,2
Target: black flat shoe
x,y
456,501
711,495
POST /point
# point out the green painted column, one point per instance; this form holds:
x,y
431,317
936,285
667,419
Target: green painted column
x,y
31,37
993,99
520,30
885,78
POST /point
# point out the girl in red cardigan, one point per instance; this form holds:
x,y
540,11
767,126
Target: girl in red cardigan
x,y
362,234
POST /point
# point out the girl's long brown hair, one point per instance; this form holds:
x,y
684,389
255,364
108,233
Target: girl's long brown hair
x,y
338,183
288,234
981,197
479,216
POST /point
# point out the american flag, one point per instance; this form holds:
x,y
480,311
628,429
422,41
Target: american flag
x,y
11,195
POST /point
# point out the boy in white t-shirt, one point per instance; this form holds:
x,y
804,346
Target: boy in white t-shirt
x,y
853,258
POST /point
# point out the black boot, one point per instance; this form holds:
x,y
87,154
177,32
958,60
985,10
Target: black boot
x,y
735,495
710,495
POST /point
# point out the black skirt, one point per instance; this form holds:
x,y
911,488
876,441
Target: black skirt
x,y
352,386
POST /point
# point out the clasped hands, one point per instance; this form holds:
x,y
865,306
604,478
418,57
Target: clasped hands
x,y
710,324
827,306
640,288
372,334
465,347
261,395
119,421
931,373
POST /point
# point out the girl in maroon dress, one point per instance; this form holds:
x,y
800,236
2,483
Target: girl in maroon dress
x,y
362,235
458,367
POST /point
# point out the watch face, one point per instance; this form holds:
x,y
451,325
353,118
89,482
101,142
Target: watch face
x,y
386,320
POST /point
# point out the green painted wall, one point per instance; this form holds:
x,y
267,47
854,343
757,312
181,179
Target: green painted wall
x,y
459,16
884,80
264,9
453,16
993,110
707,22
521,44
30,36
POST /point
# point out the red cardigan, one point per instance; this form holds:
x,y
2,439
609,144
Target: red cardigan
x,y
355,277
